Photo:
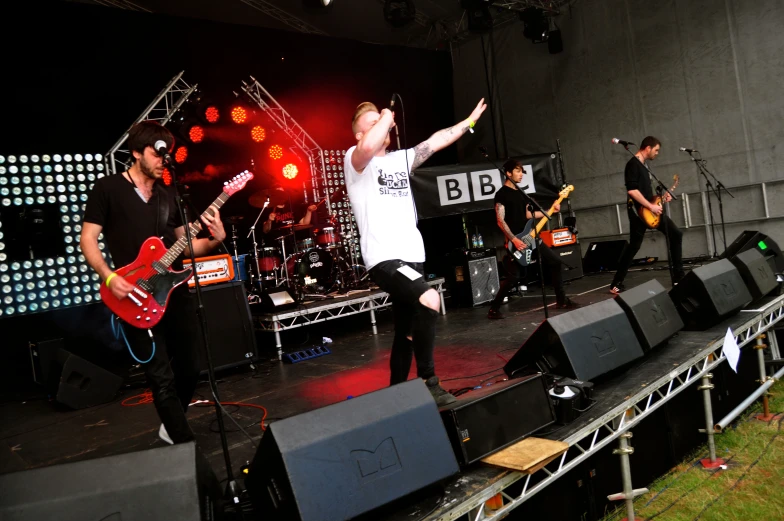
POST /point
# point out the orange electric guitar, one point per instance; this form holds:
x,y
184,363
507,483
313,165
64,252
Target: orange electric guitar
x,y
648,217
151,274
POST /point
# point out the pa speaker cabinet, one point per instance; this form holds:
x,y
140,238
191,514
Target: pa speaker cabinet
x,y
603,256
582,344
651,313
571,262
752,239
229,324
709,294
756,272
495,417
351,457
162,484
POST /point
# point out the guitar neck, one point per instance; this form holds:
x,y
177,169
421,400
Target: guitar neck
x,y
544,220
193,228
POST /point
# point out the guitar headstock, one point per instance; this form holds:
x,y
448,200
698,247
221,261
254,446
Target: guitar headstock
x,y
237,183
565,191
675,180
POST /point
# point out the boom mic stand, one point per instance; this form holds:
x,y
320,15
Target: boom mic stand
x,y
531,205
717,191
660,189
232,487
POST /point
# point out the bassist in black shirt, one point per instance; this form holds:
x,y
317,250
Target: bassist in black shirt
x,y
512,215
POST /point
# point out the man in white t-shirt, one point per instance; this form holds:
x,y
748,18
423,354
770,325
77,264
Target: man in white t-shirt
x,y
380,192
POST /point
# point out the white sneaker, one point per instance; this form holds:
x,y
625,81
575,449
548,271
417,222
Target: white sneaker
x,y
162,434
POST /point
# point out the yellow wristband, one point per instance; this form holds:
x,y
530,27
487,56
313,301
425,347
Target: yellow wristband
x,y
109,278
471,123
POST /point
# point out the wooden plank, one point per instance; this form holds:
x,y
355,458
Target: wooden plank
x,y
528,455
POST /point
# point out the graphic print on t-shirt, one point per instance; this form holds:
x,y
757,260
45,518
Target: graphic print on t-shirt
x,y
393,184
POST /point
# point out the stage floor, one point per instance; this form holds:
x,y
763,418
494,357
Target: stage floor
x,y
470,350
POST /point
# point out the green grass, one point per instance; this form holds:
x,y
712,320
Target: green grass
x,y
751,489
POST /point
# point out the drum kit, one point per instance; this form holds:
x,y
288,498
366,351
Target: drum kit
x,y
308,261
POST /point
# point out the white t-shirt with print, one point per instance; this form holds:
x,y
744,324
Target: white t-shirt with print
x,y
384,208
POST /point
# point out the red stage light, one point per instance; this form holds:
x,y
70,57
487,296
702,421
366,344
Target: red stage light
x,y
258,134
167,179
196,133
276,152
212,114
290,171
239,115
181,154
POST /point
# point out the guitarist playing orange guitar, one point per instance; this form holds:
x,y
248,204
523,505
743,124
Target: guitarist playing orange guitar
x,y
638,187
128,209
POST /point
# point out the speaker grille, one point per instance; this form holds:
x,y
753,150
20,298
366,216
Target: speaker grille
x,y
484,280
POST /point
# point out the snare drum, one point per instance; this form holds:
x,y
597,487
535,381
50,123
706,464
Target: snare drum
x,y
305,244
327,237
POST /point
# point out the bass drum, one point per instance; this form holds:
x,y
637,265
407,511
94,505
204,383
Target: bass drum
x,y
313,269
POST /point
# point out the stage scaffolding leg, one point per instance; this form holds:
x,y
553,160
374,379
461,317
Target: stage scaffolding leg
x,y
705,386
625,450
373,317
278,345
765,416
443,307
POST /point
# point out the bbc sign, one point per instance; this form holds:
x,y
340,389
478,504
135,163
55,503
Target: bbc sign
x,y
455,188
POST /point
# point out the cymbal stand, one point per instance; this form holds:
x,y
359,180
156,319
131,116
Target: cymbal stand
x,y
256,246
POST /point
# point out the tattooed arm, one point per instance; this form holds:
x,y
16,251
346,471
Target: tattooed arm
x,y
445,137
500,215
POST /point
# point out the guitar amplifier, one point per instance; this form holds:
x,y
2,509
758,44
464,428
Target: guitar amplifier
x,y
474,276
559,237
570,256
211,270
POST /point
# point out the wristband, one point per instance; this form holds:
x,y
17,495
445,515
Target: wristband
x,y
109,279
471,124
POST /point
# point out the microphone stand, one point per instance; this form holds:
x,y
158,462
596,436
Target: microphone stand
x,y
660,189
719,186
530,206
232,487
256,246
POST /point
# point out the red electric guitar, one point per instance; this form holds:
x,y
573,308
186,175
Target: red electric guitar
x,y
151,274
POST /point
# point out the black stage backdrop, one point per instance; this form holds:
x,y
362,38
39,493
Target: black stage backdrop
x,y
456,189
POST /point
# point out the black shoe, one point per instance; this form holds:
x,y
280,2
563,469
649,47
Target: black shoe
x,y
567,303
441,396
617,288
494,314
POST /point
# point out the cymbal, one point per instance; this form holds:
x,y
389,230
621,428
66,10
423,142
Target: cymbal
x,y
275,197
296,227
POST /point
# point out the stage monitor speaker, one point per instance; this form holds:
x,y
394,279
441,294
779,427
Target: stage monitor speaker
x,y
709,294
167,483
489,419
351,457
651,313
603,256
752,239
475,279
756,272
229,324
582,344
572,262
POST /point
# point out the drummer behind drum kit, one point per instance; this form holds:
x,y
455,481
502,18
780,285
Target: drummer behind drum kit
x,y
305,261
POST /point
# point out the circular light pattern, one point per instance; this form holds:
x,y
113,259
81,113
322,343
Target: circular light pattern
x,y
290,171
239,115
212,114
258,134
196,134
181,154
276,152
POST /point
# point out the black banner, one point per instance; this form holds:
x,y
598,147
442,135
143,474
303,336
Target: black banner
x,y
454,189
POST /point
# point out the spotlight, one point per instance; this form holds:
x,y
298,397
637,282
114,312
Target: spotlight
x,y
181,154
196,134
167,178
239,115
318,4
399,13
290,171
536,26
478,15
258,134
276,152
212,114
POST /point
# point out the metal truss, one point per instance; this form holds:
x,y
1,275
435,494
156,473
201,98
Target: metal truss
x,y
302,140
610,426
162,108
121,4
282,16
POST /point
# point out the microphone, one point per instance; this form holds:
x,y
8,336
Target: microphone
x,y
617,141
162,150
689,150
392,104
397,132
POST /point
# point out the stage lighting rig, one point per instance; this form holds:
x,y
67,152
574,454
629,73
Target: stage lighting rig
x,y
478,15
536,24
318,4
399,13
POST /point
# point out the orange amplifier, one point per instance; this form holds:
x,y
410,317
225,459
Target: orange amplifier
x,y
559,237
211,270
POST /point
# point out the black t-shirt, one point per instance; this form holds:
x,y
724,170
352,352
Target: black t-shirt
x,y
637,178
128,221
514,203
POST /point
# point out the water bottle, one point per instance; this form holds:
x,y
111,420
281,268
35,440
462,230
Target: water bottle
x,y
479,240
473,241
